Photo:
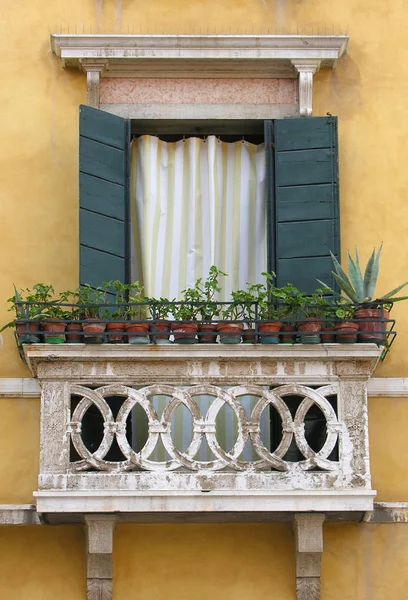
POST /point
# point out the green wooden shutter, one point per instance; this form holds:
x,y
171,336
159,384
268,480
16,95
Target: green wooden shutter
x,y
104,148
305,203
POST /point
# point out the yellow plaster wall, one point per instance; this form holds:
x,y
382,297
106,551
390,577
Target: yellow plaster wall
x,y
39,238
19,449
42,563
39,122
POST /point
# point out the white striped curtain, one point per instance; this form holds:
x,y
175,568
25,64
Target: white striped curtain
x,y
196,203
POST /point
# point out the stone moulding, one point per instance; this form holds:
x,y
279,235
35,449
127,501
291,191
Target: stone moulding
x,y
206,56
183,483
140,52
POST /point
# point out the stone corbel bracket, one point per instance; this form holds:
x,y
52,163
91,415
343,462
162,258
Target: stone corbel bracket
x,y
309,547
99,538
93,69
306,69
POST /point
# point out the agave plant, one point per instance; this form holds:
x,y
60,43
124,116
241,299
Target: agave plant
x,y
359,288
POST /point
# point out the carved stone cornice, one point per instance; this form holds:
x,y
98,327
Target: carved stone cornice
x,y
208,56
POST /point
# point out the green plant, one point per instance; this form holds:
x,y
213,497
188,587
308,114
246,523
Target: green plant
x,y
343,310
245,303
30,304
206,291
137,308
92,302
161,307
121,293
189,307
313,306
274,303
360,288
71,297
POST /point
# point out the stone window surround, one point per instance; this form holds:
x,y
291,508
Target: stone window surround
x,y
192,56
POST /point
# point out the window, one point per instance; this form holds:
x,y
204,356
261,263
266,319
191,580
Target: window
x,y
302,197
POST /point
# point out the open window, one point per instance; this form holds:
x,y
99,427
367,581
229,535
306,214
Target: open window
x,y
301,206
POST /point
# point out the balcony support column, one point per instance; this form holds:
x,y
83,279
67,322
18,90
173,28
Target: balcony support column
x,y
308,529
99,542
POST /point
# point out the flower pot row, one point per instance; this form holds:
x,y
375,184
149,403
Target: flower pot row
x,y
368,327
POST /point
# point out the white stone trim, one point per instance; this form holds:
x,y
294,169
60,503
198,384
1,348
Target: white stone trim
x,y
388,512
306,70
19,514
28,387
388,386
19,387
93,69
71,48
251,501
26,514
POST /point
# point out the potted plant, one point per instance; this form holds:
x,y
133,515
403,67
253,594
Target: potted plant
x,y
372,312
327,333
69,299
185,313
209,309
246,301
345,330
54,325
92,302
313,308
29,308
275,305
116,325
137,327
160,326
231,327
288,301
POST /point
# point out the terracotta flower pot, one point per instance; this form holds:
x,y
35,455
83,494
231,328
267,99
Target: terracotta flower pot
x,y
230,333
93,330
288,334
327,335
346,332
160,331
310,331
73,338
249,336
54,328
185,332
138,333
207,333
269,332
372,325
115,332
28,332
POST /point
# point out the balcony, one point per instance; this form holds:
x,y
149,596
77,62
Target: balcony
x,y
95,397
